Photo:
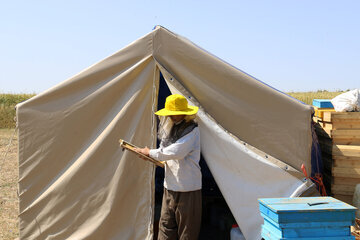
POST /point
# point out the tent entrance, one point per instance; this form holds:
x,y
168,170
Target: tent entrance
x,y
217,218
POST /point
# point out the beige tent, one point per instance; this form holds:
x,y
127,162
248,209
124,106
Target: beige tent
x,y
76,183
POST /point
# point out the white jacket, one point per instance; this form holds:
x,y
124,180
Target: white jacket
x,y
182,170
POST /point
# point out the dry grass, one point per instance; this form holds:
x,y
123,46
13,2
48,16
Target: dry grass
x,y
9,202
7,108
307,97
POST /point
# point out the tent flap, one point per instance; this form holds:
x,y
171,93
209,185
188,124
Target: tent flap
x,y
251,110
242,175
75,182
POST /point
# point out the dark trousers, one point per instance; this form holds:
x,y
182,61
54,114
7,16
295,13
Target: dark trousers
x,y
180,215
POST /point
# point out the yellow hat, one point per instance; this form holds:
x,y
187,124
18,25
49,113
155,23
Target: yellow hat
x,y
177,105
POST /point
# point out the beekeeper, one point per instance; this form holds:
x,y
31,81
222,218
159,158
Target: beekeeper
x,y
180,149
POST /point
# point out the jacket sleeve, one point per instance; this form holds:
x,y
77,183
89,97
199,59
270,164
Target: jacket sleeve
x,y
177,150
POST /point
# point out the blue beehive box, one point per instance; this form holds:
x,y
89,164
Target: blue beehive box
x,y
322,103
309,218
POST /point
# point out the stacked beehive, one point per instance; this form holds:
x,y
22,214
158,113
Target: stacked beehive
x,y
307,218
339,137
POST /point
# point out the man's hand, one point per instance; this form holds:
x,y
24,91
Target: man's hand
x,y
145,151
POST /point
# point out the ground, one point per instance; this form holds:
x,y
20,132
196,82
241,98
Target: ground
x,y
9,201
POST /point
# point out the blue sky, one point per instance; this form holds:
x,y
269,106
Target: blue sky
x,y
292,45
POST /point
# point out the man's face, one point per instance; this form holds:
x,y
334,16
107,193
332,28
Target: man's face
x,y
177,118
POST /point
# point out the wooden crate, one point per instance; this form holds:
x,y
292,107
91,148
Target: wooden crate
x,y
319,112
339,138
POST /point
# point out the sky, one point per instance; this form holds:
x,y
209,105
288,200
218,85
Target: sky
x,y
291,45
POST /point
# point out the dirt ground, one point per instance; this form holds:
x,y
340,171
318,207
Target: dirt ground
x,y
9,201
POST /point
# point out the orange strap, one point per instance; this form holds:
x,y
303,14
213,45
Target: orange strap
x,y
317,179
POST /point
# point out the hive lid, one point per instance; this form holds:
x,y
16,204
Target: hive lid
x,y
305,204
322,103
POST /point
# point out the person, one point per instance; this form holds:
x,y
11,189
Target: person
x,y
180,150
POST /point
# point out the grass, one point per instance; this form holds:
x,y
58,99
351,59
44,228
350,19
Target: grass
x,y
9,202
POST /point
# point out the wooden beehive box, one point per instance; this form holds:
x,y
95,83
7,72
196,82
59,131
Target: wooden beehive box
x,y
315,218
339,137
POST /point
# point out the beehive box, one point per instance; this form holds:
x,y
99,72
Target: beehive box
x,y
311,218
339,138
322,103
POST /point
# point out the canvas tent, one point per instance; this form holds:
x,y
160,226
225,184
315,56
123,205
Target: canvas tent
x,y
76,183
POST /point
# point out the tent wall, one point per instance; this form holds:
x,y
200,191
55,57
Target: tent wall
x,y
75,182
254,112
